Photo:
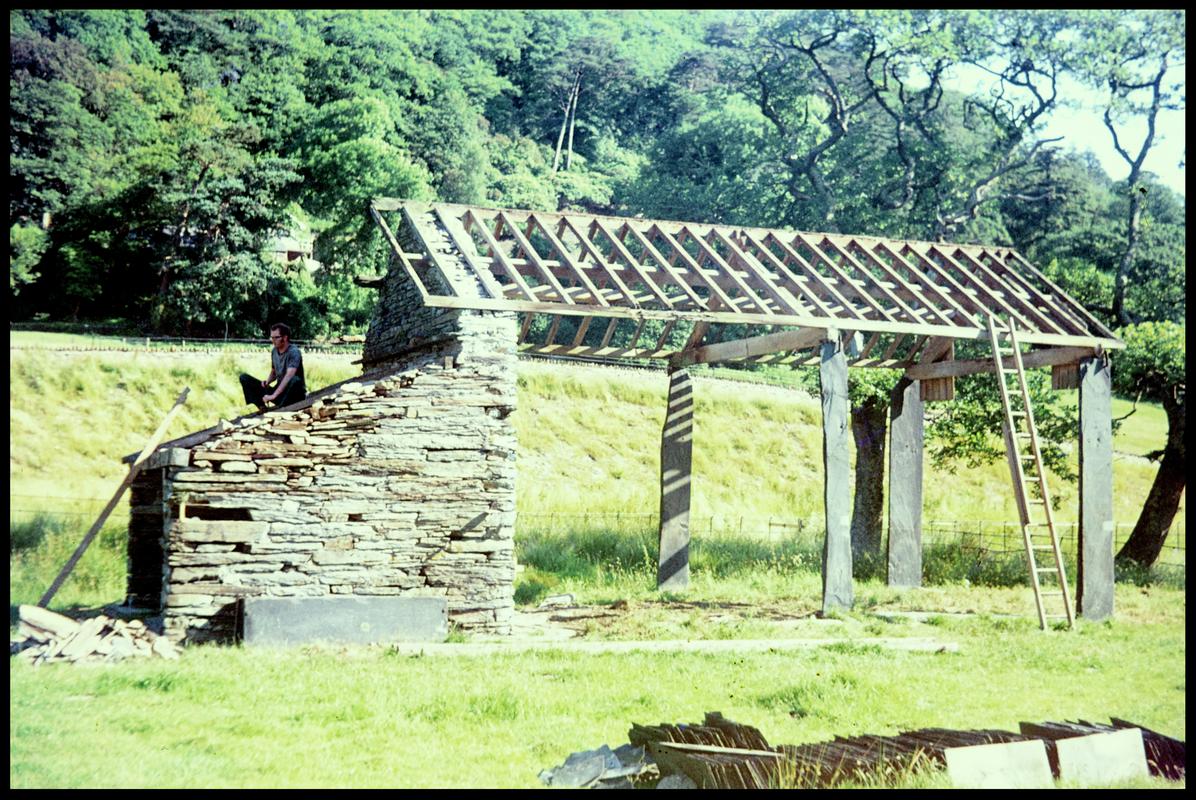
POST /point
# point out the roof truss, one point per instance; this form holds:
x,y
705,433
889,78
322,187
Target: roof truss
x,y
589,286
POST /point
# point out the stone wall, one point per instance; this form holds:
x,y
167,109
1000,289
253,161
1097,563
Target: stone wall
x,y
401,482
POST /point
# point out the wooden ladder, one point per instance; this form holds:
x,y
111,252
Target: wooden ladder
x,y
1025,464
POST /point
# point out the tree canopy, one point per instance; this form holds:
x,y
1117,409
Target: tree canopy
x,y
157,156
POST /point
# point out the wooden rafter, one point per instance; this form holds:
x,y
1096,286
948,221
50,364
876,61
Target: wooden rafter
x,y
909,299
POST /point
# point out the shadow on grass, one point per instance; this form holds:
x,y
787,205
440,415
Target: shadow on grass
x,y
554,554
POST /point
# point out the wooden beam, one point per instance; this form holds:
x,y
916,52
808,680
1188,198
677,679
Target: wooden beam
x,y
755,346
397,253
741,318
134,470
465,246
498,257
523,244
691,267
567,258
1032,359
600,261
632,263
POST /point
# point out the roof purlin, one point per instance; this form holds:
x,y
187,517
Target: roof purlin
x,y
763,274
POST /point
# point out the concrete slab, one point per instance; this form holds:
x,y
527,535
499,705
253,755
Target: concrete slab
x,y
344,620
1009,765
1102,758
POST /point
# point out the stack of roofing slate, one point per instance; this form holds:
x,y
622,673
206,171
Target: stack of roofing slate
x,y
723,754
43,636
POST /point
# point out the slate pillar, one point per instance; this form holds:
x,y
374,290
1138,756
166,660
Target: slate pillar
x,y
905,485
1094,578
836,459
676,458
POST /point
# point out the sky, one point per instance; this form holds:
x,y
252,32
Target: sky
x,y
1080,120
1084,129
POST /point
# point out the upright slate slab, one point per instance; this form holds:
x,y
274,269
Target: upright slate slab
x,y
1102,758
676,459
1094,578
836,459
1005,765
906,433
344,620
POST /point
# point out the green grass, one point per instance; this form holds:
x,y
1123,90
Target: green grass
x,y
231,717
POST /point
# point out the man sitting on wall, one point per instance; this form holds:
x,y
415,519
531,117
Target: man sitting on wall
x,y
286,364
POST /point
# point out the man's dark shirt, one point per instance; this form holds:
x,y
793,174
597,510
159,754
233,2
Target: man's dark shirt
x,y
291,357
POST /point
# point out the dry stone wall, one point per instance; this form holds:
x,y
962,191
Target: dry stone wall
x,y
401,482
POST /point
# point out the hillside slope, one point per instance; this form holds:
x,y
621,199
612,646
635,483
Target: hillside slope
x,y
589,437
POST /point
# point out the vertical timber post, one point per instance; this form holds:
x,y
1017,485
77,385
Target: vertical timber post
x,y
1094,572
676,458
905,485
836,459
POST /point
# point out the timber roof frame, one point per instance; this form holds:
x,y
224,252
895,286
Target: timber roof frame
x,y
901,303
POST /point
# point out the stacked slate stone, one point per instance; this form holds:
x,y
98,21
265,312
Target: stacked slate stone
x,y
401,485
400,482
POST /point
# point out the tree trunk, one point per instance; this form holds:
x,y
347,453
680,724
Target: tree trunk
x,y
572,123
566,115
560,139
1127,258
869,422
1150,533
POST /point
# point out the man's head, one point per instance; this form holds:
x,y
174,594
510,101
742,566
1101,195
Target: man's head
x,y
280,336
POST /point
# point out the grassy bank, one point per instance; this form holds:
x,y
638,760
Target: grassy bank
x,y
236,717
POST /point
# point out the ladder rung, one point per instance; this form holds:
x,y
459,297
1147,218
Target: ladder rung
x,y
1045,569
1052,594
1042,547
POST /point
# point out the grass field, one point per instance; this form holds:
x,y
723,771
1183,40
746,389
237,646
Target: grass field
x,y
232,717
235,717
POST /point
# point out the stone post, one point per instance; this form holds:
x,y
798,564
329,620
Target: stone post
x,y
676,458
836,458
905,485
1094,576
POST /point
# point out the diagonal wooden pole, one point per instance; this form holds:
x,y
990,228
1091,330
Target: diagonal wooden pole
x,y
99,523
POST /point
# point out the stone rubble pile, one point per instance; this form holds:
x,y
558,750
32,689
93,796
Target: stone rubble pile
x,y
625,767
43,636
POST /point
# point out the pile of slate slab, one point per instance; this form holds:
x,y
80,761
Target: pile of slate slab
x,y
45,637
721,754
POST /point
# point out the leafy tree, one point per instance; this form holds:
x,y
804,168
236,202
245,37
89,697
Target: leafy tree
x,y
964,428
1154,365
871,393
26,243
1132,54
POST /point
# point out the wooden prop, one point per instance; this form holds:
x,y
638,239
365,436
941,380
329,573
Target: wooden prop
x,y
99,523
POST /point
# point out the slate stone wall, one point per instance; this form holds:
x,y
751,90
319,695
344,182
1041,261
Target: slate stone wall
x,y
399,483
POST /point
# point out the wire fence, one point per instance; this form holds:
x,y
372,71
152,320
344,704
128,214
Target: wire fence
x,y
98,342
978,538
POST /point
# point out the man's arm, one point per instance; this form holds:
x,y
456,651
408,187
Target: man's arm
x,y
282,384
270,379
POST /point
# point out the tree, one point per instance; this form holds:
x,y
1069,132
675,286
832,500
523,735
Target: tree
x,y
871,392
26,243
967,428
1132,54
1154,365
